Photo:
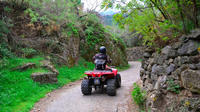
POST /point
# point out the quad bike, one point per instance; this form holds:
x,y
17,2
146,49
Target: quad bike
x,y
98,78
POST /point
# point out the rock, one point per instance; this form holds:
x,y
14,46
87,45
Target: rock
x,y
175,75
190,79
198,66
183,39
147,55
155,100
194,59
184,105
160,82
177,45
185,93
44,77
189,48
192,66
195,34
151,61
149,68
171,53
25,66
170,61
148,73
135,53
149,50
51,68
157,69
142,72
181,60
161,59
170,69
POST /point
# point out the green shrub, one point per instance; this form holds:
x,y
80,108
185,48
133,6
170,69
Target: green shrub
x,y
35,17
138,95
28,52
173,87
5,51
3,28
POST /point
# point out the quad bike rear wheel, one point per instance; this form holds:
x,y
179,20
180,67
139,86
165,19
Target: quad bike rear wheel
x,y
118,81
111,87
85,87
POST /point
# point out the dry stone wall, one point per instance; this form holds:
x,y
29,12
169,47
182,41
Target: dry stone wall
x,y
135,53
172,77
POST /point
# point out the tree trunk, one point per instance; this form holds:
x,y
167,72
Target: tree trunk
x,y
181,14
195,14
161,11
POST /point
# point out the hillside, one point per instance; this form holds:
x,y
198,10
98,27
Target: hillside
x,y
45,45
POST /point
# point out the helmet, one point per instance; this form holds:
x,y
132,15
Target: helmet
x,y
103,49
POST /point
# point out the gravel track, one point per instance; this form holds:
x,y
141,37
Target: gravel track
x,y
70,99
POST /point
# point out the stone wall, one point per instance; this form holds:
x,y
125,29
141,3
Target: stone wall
x,y
135,53
172,77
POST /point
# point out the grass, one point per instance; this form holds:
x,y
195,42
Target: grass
x,y
138,96
140,60
122,68
18,92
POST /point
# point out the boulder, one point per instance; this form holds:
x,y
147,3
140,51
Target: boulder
x,y
177,45
180,60
160,82
169,52
183,39
51,68
194,59
170,69
155,101
189,48
147,55
190,79
157,69
45,77
195,34
193,66
25,66
176,74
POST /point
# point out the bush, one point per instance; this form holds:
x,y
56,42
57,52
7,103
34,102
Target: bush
x,y
28,52
138,95
172,86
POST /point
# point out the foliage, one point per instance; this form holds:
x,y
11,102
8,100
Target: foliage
x,y
73,29
138,95
19,92
3,28
159,21
94,30
35,17
5,51
28,52
172,86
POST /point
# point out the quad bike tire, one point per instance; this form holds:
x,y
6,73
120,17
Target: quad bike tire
x,y
111,87
118,81
86,89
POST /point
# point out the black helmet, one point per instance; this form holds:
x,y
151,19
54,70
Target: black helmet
x,y
103,49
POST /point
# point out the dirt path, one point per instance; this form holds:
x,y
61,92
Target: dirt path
x,y
70,99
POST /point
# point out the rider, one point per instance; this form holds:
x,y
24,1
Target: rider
x,y
102,57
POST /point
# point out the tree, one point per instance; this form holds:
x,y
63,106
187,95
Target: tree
x,y
159,21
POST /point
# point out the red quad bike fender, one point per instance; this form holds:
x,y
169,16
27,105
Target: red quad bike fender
x,y
101,73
